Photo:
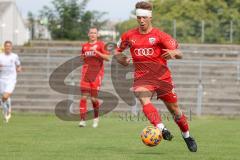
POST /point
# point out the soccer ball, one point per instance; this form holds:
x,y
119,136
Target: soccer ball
x,y
151,136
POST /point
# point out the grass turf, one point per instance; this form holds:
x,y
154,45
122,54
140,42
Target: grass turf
x,y
35,137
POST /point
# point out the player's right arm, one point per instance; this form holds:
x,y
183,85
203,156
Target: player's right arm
x,y
82,53
122,58
123,44
18,65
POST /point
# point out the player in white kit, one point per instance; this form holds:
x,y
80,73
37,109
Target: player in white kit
x,y
9,67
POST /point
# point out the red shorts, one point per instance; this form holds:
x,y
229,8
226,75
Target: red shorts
x,y
164,92
170,97
91,87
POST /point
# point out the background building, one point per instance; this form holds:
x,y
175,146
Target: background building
x,y
12,25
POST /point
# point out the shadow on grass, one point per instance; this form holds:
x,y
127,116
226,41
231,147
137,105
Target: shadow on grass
x,y
150,153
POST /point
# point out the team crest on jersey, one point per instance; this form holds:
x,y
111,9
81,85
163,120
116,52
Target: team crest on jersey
x,y
133,41
152,40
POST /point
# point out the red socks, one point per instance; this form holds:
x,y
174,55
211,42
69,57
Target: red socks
x,y
96,108
182,123
83,109
152,114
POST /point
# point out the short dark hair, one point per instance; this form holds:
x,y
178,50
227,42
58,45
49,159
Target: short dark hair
x,y
93,28
144,5
7,42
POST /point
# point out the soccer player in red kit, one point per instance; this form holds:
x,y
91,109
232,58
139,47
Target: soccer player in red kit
x,y
93,55
150,49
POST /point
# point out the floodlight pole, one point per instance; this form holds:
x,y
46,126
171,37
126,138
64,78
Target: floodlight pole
x,y
231,31
199,91
174,29
203,32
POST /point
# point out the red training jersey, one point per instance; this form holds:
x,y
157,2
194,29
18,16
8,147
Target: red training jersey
x,y
146,51
93,64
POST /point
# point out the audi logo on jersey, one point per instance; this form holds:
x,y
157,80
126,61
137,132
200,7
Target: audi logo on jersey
x,y
89,53
144,51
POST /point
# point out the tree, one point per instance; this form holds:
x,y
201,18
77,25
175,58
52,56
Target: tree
x,y
189,16
126,25
68,19
91,18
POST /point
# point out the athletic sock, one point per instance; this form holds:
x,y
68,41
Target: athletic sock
x,y
152,114
5,107
183,125
160,126
9,104
96,106
83,109
186,134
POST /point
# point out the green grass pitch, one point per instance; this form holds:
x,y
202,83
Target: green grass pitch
x,y
37,137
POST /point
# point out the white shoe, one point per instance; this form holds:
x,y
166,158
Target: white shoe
x,y
82,124
95,122
8,117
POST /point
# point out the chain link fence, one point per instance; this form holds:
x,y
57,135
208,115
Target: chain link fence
x,y
221,32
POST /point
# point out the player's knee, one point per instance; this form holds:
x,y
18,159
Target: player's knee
x,y
84,98
144,101
176,112
177,116
93,99
5,98
173,109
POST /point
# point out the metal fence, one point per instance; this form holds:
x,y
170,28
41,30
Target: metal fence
x,y
227,32
201,84
214,82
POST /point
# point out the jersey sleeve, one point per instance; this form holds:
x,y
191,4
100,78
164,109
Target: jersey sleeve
x,y
103,49
17,61
123,43
82,50
167,41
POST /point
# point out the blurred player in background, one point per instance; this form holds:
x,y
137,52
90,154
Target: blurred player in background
x,y
93,55
1,48
150,50
9,67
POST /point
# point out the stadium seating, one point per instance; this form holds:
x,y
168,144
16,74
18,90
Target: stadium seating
x,y
216,67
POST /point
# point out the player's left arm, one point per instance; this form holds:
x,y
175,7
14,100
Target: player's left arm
x,y
170,47
172,54
102,52
18,65
19,69
106,57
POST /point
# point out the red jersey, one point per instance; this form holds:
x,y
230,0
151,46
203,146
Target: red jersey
x,y
146,51
93,64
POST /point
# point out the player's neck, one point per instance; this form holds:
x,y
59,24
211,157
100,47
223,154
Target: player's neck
x,y
92,42
148,30
7,53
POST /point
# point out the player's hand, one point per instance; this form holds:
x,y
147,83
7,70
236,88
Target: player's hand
x,y
169,54
128,60
19,69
